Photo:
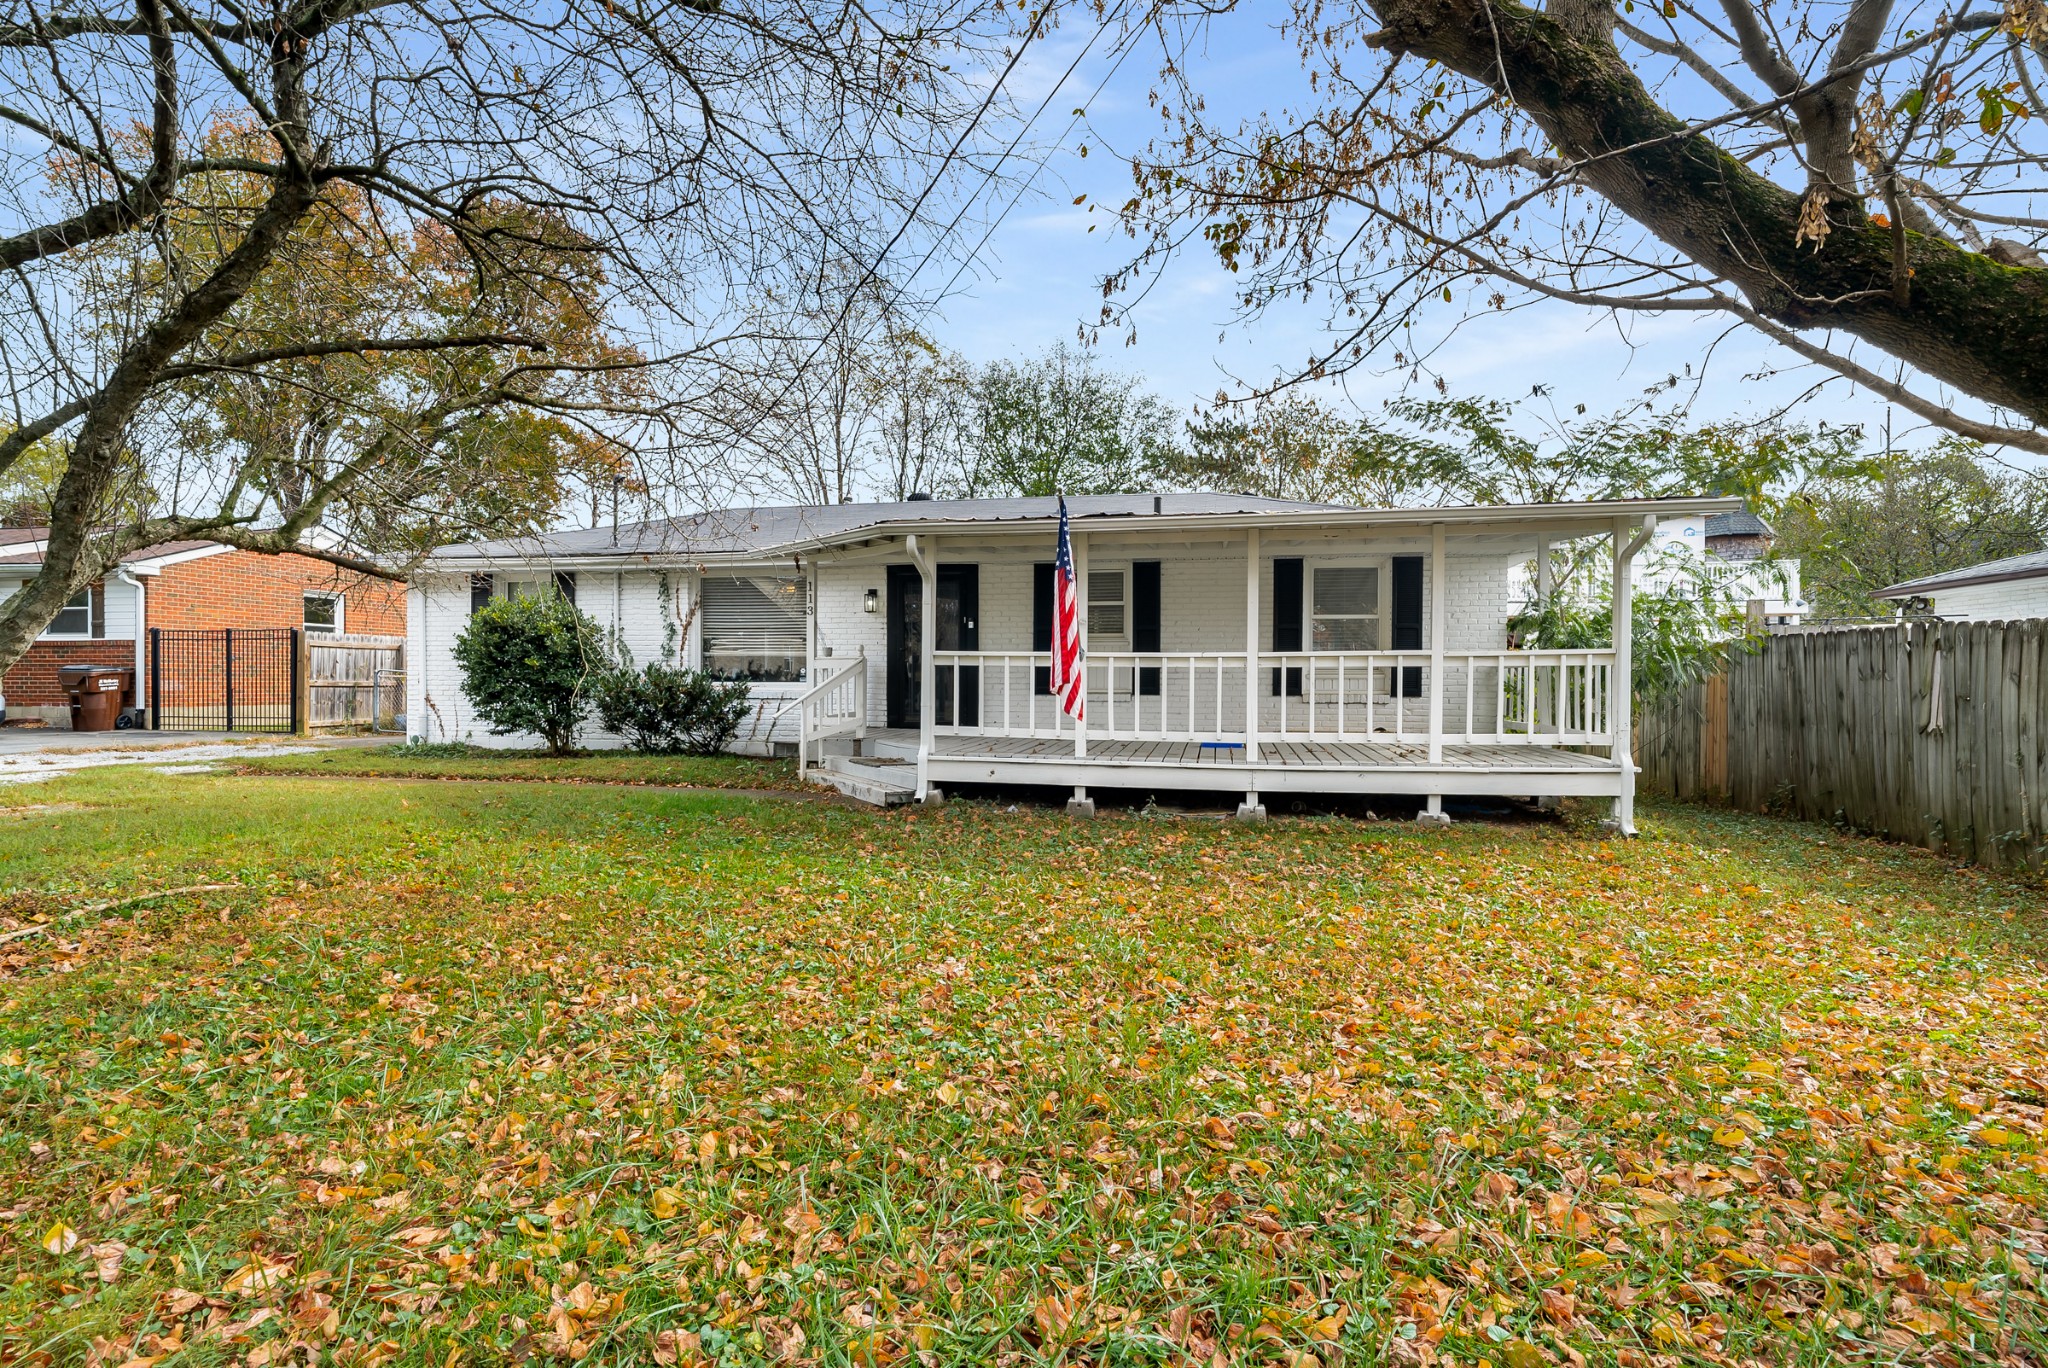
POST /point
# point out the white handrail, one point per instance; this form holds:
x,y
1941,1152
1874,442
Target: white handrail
x,y
1504,697
837,705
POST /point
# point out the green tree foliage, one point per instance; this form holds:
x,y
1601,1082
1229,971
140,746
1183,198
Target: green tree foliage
x,y
1424,453
1679,634
402,450
1060,424
1912,514
531,664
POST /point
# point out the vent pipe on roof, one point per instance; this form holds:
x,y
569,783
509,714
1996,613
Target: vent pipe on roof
x,y
919,496
1156,502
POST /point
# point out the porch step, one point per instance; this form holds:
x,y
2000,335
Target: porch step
x,y
882,785
888,746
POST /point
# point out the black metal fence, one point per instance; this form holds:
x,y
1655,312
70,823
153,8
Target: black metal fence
x,y
224,679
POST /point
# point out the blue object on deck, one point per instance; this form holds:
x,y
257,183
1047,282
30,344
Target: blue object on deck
x,y
1222,745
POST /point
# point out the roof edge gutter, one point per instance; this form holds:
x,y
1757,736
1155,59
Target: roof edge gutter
x,y
1598,516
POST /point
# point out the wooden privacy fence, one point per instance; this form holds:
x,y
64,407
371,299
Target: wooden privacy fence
x,y
341,677
1930,732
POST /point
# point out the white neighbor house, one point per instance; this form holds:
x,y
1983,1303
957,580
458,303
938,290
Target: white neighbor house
x,y
1233,644
1994,591
1729,551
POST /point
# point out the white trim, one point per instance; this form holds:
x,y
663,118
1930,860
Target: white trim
x,y
1113,642
141,636
340,602
1570,520
1383,564
1251,655
1439,616
47,635
1255,778
156,565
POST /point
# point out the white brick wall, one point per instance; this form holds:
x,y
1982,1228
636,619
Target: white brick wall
x,y
629,604
1202,611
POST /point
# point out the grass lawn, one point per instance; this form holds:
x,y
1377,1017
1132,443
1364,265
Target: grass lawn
x,y
472,1073
478,762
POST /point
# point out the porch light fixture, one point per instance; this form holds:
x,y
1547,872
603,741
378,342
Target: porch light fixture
x,y
871,601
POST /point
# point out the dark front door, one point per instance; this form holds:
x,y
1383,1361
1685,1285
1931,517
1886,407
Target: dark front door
x,y
958,614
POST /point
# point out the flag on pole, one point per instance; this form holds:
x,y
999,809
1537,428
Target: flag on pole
x,y
1067,670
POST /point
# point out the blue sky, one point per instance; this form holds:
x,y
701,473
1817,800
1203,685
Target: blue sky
x,y
1039,277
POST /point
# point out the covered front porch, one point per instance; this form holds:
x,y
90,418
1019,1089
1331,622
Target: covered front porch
x,y
1326,766
1355,653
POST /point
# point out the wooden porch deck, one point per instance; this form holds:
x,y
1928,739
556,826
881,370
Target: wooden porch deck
x,y
1273,754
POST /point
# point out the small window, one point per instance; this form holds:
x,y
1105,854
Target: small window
x,y
529,586
323,614
755,628
74,619
1105,603
1345,612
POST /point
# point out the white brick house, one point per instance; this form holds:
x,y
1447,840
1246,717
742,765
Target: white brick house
x,y
1238,644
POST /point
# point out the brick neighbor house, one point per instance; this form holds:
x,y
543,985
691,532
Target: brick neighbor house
x,y
194,584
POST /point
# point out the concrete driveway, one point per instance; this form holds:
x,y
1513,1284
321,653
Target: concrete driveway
x,y
31,753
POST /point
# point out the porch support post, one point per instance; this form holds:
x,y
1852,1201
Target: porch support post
x,y
926,557
1538,705
1621,692
1079,542
1439,596
1251,649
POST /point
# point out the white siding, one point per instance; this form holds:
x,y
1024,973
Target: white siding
x,y
122,621
2027,598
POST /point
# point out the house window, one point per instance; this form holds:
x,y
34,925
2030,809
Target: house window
x,y
74,619
1344,611
525,586
754,628
1106,603
323,614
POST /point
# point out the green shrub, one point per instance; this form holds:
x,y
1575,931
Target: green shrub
x,y
438,750
668,710
531,664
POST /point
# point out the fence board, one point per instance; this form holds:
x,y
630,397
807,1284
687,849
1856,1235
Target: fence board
x,y
341,672
1932,733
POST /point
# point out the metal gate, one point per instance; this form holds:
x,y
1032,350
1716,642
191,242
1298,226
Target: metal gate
x,y
225,679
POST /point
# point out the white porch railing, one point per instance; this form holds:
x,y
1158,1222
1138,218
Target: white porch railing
x,y
836,705
1178,696
1552,698
1545,698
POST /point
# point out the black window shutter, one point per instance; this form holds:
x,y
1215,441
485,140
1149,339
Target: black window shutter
x,y
565,584
1287,618
480,587
1145,635
1407,634
1041,623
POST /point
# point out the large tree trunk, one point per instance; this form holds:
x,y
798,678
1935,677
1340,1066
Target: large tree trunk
x,y
1965,319
72,559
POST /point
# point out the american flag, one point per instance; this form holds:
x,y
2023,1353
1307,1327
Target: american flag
x,y
1067,670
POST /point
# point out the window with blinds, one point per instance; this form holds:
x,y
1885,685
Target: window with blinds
x,y
1344,612
754,627
1106,603
74,619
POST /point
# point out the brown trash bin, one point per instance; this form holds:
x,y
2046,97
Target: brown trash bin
x,y
99,694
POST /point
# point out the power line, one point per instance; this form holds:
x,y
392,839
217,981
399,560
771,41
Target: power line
x,y
1126,48
869,273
